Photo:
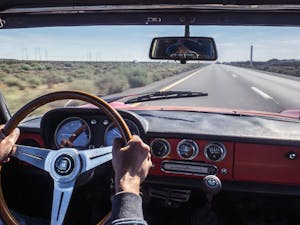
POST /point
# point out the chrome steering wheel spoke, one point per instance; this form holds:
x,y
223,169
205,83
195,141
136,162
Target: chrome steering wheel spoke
x,y
95,157
64,166
32,155
62,194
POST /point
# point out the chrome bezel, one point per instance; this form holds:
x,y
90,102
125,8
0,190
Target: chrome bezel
x,y
188,163
190,141
113,125
71,118
165,142
219,144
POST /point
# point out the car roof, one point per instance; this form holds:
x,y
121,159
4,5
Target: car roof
x,y
39,13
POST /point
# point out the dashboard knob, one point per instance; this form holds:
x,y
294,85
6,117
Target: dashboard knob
x,y
292,155
211,184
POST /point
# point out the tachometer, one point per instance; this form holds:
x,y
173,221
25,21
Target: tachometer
x,y
112,132
72,132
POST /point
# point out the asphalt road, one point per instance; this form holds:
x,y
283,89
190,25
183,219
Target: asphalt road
x,y
234,87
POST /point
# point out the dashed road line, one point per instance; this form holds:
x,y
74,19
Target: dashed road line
x,y
261,93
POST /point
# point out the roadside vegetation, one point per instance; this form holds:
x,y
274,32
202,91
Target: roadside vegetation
x,y
23,81
287,67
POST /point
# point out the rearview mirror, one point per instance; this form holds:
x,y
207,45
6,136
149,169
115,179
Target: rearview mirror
x,y
183,48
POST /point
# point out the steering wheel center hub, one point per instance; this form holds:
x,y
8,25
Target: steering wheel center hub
x,y
64,165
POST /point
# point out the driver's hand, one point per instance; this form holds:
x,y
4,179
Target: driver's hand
x,y
7,143
131,164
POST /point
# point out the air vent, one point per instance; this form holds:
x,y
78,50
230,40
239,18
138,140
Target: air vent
x,y
176,195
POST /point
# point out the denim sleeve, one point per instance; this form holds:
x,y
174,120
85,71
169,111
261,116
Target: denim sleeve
x,y
127,209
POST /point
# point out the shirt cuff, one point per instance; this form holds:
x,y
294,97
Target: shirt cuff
x,y
126,205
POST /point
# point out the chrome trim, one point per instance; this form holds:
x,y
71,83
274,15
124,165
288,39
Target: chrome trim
x,y
196,152
219,144
165,142
72,118
120,8
188,163
2,23
113,125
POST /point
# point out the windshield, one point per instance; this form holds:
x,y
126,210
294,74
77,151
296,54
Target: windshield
x,y
257,67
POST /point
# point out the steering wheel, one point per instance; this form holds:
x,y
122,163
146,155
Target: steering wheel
x,y
66,164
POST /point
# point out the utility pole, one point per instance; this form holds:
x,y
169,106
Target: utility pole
x,y
46,55
251,55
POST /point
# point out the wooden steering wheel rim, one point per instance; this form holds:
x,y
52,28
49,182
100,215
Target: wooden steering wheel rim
x,y
42,100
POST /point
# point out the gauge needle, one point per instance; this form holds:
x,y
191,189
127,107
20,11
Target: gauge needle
x,y
77,133
73,137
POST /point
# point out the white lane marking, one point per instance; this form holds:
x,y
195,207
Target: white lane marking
x,y
173,84
261,93
233,75
179,81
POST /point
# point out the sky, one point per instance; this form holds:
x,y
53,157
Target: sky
x,y
127,43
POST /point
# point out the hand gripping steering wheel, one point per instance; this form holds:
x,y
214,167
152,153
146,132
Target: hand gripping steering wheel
x,y
65,164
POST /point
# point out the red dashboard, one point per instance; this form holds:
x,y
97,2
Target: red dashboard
x,y
242,162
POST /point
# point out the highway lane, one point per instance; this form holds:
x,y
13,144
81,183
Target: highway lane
x,y
237,88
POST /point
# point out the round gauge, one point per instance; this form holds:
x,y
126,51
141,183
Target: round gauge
x,y
72,132
187,149
160,148
215,151
113,132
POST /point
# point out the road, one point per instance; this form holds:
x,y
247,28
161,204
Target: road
x,y
234,87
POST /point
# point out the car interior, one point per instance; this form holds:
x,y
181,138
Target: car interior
x,y
210,167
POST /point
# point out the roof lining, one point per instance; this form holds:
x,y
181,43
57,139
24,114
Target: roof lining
x,y
143,14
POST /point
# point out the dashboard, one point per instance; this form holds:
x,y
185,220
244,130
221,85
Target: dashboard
x,y
246,152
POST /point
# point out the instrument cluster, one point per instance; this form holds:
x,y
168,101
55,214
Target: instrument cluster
x,y
83,129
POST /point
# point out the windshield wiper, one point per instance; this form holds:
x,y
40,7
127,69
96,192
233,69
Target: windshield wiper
x,y
165,95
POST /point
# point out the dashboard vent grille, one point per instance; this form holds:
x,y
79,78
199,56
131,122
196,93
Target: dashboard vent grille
x,y
176,195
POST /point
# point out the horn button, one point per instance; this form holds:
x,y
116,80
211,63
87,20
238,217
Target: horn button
x,y
64,165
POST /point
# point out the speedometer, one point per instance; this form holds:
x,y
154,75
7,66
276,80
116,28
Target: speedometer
x,y
72,132
112,132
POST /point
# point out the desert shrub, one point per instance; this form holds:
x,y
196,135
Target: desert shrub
x,y
137,77
55,78
112,84
49,67
34,82
37,66
25,66
13,82
5,67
